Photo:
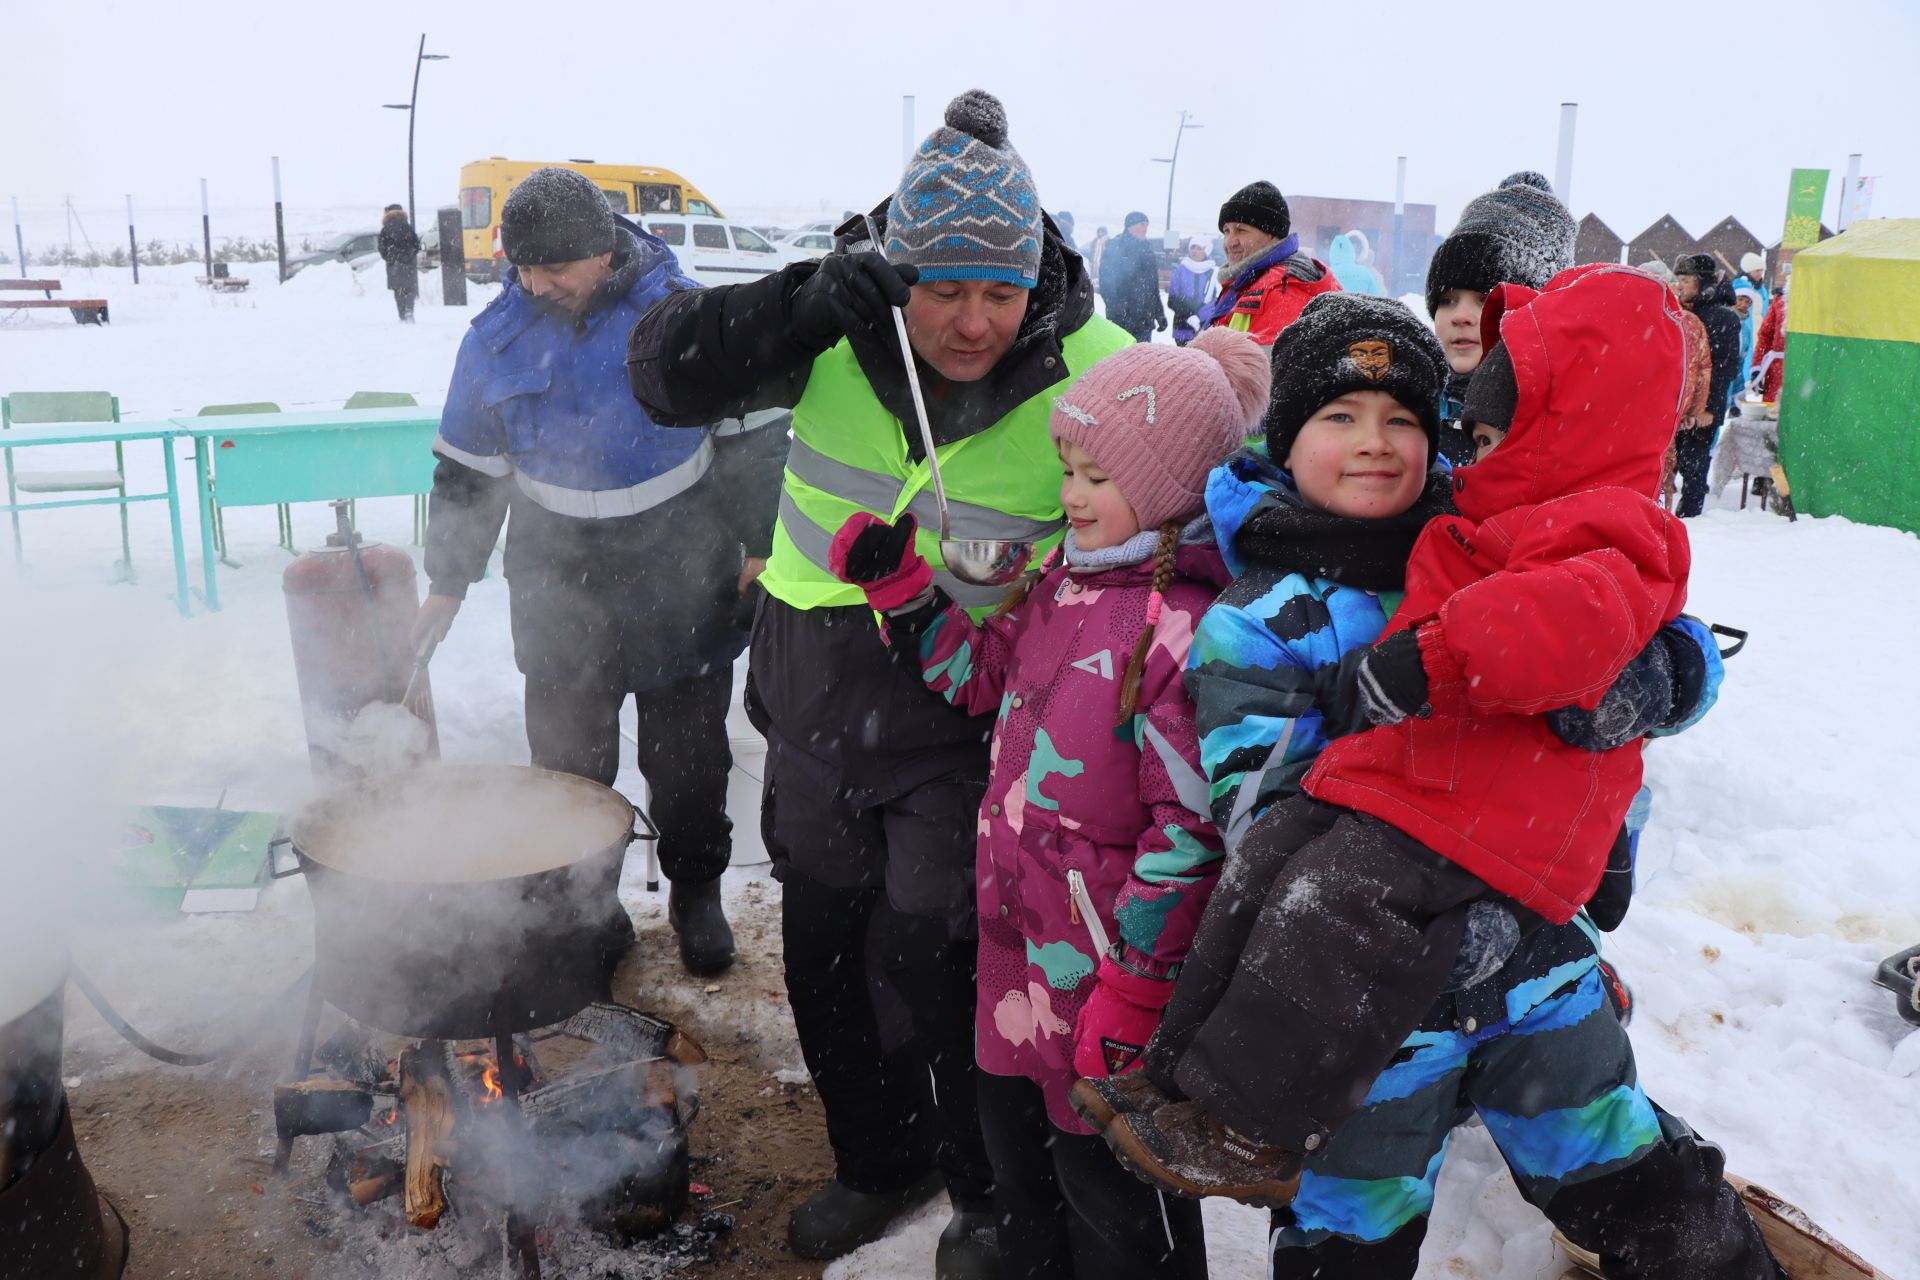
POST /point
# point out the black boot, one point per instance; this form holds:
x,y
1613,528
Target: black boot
x,y
968,1249
836,1219
706,940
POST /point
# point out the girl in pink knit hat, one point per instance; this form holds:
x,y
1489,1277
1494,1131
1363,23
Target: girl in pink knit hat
x,y
1096,851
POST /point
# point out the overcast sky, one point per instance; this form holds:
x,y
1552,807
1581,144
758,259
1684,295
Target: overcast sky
x,y
1695,108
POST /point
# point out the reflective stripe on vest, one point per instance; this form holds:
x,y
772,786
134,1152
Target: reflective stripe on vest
x,y
849,454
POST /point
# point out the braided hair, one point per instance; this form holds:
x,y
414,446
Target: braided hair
x,y
1162,578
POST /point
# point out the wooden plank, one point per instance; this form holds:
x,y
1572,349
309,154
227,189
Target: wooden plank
x,y
38,286
70,304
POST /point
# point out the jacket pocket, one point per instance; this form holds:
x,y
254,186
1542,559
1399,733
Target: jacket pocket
x,y
1433,751
511,397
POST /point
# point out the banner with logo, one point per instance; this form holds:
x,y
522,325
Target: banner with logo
x,y
1806,197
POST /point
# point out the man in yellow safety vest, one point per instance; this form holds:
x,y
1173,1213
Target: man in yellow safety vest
x,y
873,786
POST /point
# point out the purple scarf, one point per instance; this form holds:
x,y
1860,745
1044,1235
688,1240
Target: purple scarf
x,y
1230,295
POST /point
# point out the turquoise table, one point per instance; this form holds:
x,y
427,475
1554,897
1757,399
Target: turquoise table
x,y
28,437
319,456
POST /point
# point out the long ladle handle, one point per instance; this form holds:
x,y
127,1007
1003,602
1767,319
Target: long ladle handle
x,y
919,401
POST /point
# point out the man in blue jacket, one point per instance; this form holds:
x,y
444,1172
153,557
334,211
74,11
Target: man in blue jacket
x,y
630,546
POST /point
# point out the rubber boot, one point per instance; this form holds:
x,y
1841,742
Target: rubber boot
x,y
706,940
969,1249
836,1219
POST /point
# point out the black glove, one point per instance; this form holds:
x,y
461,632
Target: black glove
x,y
1391,680
850,291
1160,320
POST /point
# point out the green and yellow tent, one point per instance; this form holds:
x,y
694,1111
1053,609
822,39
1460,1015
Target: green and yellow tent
x,y
1850,404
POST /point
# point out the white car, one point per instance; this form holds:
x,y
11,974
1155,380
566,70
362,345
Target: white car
x,y
811,229
811,244
717,251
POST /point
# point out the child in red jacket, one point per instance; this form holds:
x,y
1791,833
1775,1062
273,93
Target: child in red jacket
x,y
1559,568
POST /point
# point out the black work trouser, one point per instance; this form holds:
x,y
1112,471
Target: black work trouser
x,y
403,300
1065,1208
683,755
883,1003
1329,936
1692,456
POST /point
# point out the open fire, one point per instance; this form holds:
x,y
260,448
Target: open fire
x,y
587,1122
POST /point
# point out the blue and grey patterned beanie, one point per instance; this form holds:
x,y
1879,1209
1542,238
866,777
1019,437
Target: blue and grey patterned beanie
x,y
966,208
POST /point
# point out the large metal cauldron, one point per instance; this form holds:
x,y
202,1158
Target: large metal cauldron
x,y
53,1222
463,901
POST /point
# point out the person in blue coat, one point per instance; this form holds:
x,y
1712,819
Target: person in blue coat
x,y
1354,275
630,547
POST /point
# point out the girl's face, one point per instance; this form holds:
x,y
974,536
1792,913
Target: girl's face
x,y
1457,323
1098,513
1363,456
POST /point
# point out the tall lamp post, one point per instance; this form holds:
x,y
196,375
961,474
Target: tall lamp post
x,y
409,107
1173,164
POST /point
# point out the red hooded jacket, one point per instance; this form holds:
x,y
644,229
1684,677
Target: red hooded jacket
x,y
1559,568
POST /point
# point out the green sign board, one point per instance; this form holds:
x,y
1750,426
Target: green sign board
x,y
1806,197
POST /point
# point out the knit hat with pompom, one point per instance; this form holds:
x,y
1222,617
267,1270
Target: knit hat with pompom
x,y
1518,233
966,208
1157,418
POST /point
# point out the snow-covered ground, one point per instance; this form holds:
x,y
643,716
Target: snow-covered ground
x,y
1780,863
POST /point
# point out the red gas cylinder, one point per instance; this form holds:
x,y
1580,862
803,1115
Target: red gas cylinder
x,y
350,605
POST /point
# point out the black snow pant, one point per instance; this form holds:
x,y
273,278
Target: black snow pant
x,y
404,298
883,1003
1065,1207
683,755
1328,937
1692,456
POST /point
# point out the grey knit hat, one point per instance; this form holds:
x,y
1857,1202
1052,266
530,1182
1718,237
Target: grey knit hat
x,y
1518,233
966,208
555,215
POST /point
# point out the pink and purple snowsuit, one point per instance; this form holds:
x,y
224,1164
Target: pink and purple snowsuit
x,y
1125,807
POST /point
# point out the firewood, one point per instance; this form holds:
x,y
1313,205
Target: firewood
x,y
378,1187
319,1106
426,1101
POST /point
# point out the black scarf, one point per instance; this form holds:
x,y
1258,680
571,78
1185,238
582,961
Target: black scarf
x,y
1370,555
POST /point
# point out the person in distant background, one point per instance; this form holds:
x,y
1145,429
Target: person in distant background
x,y
1750,288
1269,278
1706,295
1348,255
1063,223
400,250
1094,253
1130,281
1190,288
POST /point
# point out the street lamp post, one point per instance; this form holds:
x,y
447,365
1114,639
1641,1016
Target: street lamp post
x,y
409,106
1173,164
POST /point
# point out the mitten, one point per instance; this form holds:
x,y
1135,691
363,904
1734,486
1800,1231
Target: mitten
x,y
1392,680
879,558
1117,1020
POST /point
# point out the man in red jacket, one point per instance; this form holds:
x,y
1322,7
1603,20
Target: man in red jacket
x,y
1268,280
1559,568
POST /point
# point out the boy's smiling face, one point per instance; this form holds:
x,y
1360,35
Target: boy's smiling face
x,y
1363,456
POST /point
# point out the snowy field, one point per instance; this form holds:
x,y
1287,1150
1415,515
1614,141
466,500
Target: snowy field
x,y
1779,867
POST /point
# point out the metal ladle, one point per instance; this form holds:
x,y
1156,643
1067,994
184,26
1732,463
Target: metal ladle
x,y
983,562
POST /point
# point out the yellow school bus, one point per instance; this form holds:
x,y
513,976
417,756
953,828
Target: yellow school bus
x,y
630,189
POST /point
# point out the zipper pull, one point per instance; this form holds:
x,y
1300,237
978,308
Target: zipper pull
x,y
1073,909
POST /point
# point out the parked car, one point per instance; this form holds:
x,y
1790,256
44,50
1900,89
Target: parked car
x,y
811,228
811,244
716,251
347,247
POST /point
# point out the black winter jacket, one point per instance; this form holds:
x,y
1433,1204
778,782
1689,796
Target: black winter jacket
x,y
1130,284
821,681
400,250
1722,323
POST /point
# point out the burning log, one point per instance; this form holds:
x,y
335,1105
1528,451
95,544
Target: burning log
x,y
632,1034
319,1106
379,1186
426,1100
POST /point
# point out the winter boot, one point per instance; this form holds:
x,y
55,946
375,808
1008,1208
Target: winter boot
x,y
1183,1148
1100,1100
836,1219
706,940
969,1249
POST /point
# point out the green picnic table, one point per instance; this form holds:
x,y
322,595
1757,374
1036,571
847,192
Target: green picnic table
x,y
320,455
